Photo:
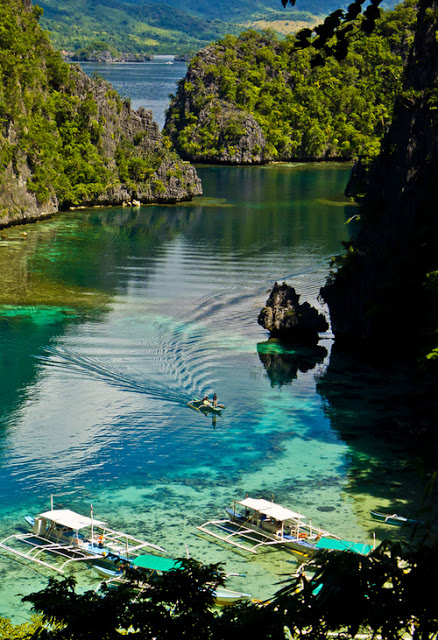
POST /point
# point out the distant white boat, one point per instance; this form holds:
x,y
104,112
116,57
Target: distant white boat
x,y
169,62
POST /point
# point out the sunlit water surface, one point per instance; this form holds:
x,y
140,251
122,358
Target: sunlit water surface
x,y
112,319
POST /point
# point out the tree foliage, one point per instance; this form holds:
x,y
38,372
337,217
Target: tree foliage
x,y
339,110
339,595
333,36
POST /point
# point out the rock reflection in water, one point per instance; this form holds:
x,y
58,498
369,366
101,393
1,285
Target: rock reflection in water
x,y
283,361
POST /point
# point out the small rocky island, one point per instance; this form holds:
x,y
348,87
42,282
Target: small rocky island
x,y
287,319
253,99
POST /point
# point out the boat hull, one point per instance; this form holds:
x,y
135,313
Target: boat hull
x,y
222,595
199,405
394,519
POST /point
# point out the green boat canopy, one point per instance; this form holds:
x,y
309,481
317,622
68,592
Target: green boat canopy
x,y
155,563
344,545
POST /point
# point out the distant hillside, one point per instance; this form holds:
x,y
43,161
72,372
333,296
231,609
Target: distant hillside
x,y
176,26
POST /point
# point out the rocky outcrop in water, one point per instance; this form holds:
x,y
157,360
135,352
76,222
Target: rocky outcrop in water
x,y
137,135
254,99
284,317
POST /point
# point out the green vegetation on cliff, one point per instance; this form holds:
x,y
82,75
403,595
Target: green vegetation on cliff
x,y
67,140
256,82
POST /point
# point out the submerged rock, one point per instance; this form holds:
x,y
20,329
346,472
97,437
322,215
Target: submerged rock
x,y
286,318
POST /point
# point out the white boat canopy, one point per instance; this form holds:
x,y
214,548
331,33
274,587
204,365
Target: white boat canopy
x,y
68,518
271,509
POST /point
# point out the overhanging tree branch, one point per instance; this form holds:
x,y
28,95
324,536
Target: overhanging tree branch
x,y
331,37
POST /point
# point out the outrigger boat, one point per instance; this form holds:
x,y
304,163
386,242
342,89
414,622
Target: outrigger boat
x,y
205,406
256,523
154,566
394,519
72,537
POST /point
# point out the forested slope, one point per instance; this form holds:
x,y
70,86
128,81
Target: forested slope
x,y
67,140
142,28
253,98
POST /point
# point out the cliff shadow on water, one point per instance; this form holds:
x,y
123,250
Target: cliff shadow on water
x,y
386,414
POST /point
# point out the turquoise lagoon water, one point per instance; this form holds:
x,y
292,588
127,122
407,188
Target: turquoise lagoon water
x,y
111,319
121,315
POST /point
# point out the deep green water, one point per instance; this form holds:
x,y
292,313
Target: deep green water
x,y
110,319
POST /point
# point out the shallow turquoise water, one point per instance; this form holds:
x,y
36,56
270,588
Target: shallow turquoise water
x,y
94,399
129,313
113,318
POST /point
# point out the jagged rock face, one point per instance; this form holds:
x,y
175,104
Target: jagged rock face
x,y
17,204
286,318
177,180
240,139
383,273
236,137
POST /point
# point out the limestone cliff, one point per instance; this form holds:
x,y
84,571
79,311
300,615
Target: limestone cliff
x,y
385,291
214,128
68,140
253,99
135,135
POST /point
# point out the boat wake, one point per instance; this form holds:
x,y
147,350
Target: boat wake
x,y
91,367
183,355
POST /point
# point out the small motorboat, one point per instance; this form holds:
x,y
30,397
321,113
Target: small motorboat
x,y
205,406
394,519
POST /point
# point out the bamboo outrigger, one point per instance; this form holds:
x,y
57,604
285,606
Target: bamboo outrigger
x,y
255,523
71,537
